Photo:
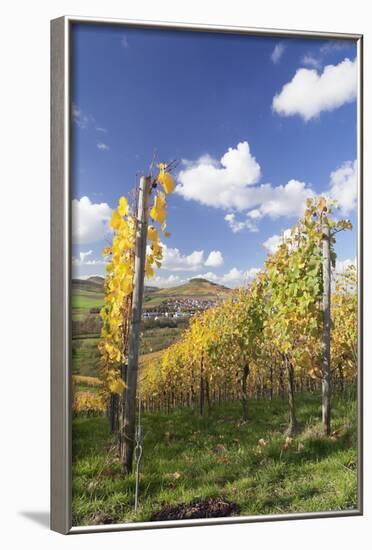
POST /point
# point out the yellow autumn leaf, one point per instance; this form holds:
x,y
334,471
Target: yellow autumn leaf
x,y
126,286
166,181
106,251
117,386
152,233
158,211
149,271
322,203
123,207
116,220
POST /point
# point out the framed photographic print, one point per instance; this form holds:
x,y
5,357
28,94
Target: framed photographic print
x,y
206,275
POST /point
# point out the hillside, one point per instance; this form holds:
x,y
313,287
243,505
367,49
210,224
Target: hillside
x,y
194,288
88,293
92,284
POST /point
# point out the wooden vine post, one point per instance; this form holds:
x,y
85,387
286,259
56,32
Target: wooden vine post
x,y
326,347
129,410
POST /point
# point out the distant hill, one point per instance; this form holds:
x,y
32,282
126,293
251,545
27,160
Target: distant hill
x,y
194,288
92,284
88,293
95,284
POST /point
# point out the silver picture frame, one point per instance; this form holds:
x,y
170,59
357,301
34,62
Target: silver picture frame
x,y
61,410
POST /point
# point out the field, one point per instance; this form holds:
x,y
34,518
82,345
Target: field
x,y
189,458
87,295
83,301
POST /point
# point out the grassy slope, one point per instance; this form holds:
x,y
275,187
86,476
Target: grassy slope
x,y
87,294
85,356
195,288
186,458
83,301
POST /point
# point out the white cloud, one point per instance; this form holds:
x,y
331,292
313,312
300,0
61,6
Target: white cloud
x,y
342,265
103,147
284,200
222,184
89,220
229,184
311,61
237,226
277,52
215,259
81,260
84,120
165,282
334,45
81,119
254,214
84,263
344,187
83,255
233,278
310,93
272,243
174,260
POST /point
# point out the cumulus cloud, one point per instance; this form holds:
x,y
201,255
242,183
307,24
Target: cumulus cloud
x,y
84,262
82,256
310,93
222,184
82,259
233,278
284,200
344,187
89,220
230,184
166,282
277,52
272,243
239,225
215,259
174,260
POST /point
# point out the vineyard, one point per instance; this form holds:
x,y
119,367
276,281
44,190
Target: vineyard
x,y
264,379
267,339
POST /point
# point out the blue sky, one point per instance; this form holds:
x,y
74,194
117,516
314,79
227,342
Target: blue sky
x,y
257,123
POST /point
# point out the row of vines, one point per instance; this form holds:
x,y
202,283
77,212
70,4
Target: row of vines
x,y
267,338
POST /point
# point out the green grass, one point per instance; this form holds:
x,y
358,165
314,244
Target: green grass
x,y
83,301
156,339
85,356
187,457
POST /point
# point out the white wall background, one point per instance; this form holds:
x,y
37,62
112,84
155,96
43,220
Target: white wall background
x,y
24,351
